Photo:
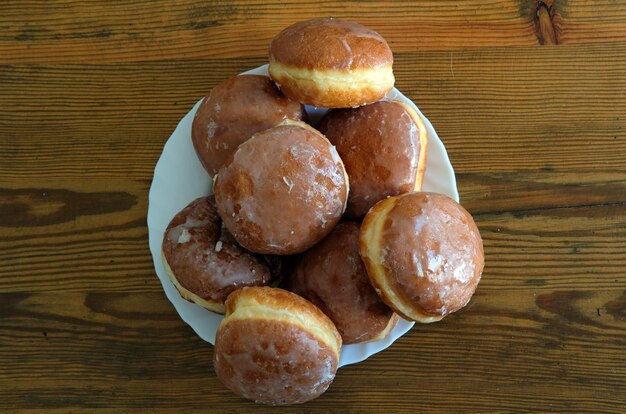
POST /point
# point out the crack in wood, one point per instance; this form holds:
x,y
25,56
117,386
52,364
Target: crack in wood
x,y
545,21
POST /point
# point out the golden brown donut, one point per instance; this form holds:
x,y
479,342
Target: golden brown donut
x,y
332,276
331,63
203,260
235,110
283,191
275,348
383,146
423,254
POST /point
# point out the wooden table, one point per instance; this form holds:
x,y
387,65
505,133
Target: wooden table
x,y
528,97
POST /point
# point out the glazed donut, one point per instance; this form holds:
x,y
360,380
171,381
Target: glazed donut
x,y
283,191
275,348
203,260
332,276
331,63
235,110
383,146
423,254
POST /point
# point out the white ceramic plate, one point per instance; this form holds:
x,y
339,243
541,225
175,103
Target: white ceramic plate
x,y
179,178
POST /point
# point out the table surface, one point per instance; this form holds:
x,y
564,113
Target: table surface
x,y
528,97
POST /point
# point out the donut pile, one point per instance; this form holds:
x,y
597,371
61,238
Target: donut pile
x,y
332,213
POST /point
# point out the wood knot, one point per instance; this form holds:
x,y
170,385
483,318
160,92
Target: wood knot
x,y
546,21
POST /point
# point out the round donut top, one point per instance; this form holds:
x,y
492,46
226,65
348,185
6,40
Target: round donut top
x,y
204,257
330,44
275,347
236,109
284,190
272,362
332,276
433,252
380,147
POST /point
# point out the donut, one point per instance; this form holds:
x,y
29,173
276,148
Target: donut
x,y
205,263
332,276
423,254
283,191
235,110
383,146
275,347
331,63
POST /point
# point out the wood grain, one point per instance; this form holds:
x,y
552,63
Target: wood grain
x,y
131,31
109,348
526,95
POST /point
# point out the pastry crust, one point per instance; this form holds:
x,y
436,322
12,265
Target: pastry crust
x,y
333,88
332,276
205,263
331,63
283,191
423,254
423,143
275,348
383,146
236,109
212,305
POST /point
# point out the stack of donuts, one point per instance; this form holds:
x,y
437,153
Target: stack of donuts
x,y
317,235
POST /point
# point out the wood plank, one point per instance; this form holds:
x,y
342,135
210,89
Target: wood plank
x,y
79,236
252,41
192,29
107,349
73,31
537,229
550,107
566,161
